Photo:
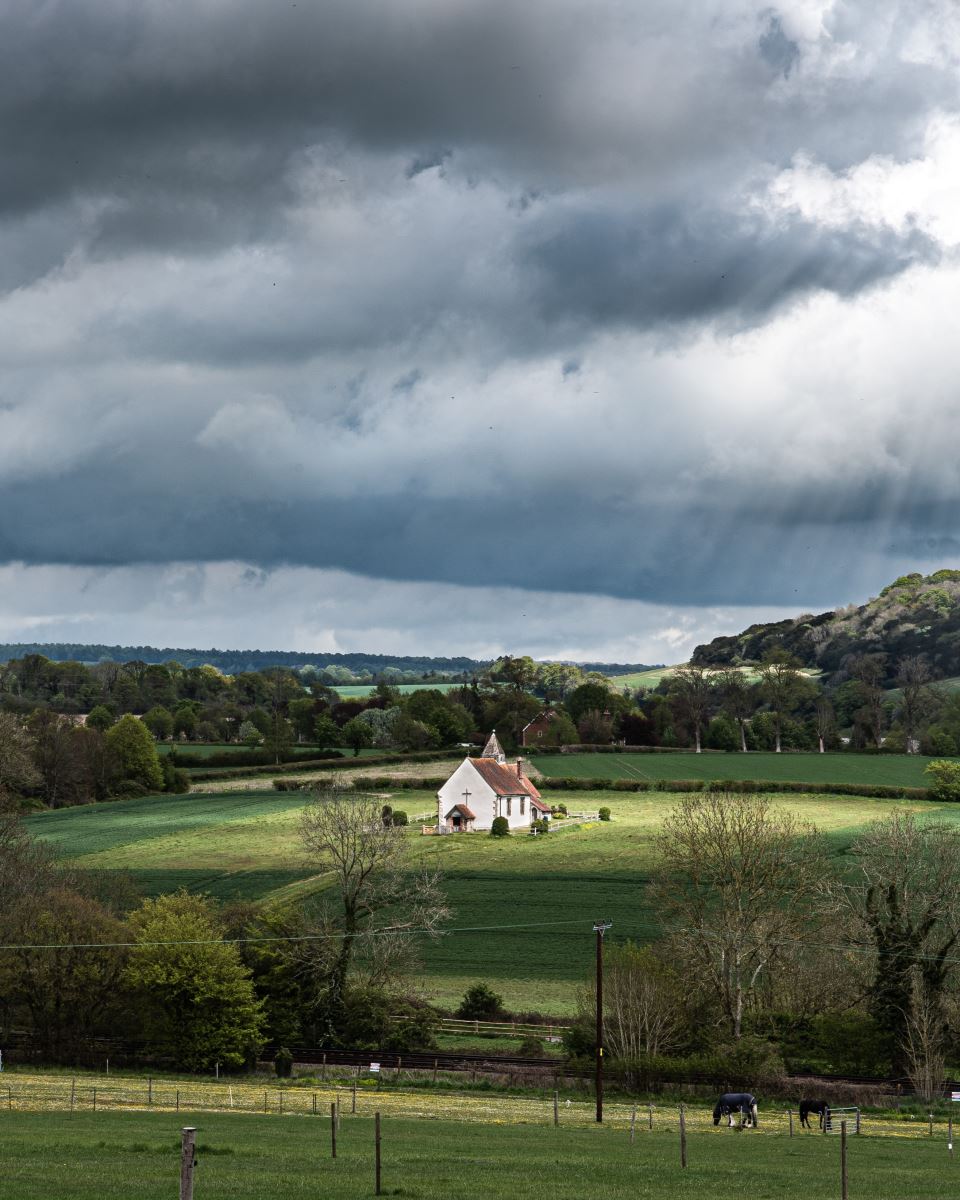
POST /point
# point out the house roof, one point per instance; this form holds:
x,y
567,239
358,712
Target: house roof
x,y
463,811
547,715
503,779
538,804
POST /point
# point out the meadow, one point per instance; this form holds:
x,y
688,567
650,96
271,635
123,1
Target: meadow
x,y
895,770
354,691
523,907
86,1156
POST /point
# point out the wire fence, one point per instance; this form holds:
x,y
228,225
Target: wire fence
x,y
38,1092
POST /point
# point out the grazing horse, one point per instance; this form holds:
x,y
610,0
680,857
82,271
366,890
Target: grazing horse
x,y
820,1107
741,1102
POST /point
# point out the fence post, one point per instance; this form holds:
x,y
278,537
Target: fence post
x,y
188,1160
556,1108
950,1131
178,1099
843,1160
434,1070
353,1098
333,1130
73,1092
790,1116
377,1140
94,1099
633,1124
650,1115
856,1128
281,1104
683,1137
929,1124
323,1069
150,1091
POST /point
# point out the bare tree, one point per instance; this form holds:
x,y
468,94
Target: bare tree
x,y
904,898
738,698
923,1046
378,904
17,770
643,1002
736,881
781,685
868,671
917,698
690,691
826,721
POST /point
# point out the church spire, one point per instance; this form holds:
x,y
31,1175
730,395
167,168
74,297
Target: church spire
x,y
494,750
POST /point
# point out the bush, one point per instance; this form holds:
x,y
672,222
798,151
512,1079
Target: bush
x,y
400,817
283,1063
500,827
603,813
174,780
541,826
944,779
481,1003
531,1047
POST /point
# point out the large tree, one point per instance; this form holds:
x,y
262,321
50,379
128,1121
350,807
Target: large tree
x,y
904,899
378,903
691,693
738,698
734,882
135,753
198,997
781,685
917,697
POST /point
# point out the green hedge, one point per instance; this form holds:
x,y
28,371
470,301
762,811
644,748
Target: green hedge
x,y
876,790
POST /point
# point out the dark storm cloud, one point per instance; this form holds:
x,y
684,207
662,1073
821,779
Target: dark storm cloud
x,y
460,290
644,269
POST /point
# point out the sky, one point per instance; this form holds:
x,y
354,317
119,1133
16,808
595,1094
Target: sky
x,y
584,330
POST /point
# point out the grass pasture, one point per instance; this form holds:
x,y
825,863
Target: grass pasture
x,y
354,691
523,906
655,676
894,770
485,1154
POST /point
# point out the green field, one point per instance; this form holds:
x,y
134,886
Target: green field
x,y
894,770
354,691
655,676
245,844
87,1156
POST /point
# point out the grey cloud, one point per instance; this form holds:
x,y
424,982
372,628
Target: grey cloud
x,y
644,269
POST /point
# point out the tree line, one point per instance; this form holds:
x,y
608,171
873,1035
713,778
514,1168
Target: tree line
x,y
775,945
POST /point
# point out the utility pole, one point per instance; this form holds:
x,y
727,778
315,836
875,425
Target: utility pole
x,y
600,928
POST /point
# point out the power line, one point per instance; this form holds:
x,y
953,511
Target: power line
x,y
304,937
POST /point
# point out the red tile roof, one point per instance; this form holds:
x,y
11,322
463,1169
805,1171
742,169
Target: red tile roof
x,y
463,810
504,779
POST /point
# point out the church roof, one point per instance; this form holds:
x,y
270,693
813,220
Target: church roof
x,y
505,781
463,810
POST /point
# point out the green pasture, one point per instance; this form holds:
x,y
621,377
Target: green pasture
x,y
894,770
655,676
87,1156
354,691
523,906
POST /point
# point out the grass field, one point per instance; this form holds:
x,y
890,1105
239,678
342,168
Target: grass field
x,y
353,691
523,907
896,770
655,676
87,1156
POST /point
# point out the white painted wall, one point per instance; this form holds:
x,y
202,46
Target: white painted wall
x,y
482,801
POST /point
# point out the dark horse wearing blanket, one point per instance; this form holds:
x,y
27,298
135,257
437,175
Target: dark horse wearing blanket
x,y
741,1102
820,1107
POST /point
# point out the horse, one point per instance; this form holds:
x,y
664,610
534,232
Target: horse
x,y
741,1102
820,1107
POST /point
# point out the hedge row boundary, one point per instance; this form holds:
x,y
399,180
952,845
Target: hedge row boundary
x,y
319,764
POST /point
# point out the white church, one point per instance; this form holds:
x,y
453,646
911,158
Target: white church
x,y
487,787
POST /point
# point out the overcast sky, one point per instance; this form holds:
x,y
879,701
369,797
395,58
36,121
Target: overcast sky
x,y
584,328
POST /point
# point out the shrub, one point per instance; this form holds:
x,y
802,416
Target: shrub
x,y
480,1003
541,826
500,827
283,1063
944,779
400,817
531,1047
603,813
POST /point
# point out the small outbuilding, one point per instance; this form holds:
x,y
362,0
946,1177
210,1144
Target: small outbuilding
x,y
483,788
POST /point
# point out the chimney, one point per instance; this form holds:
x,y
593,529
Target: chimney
x,y
519,768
